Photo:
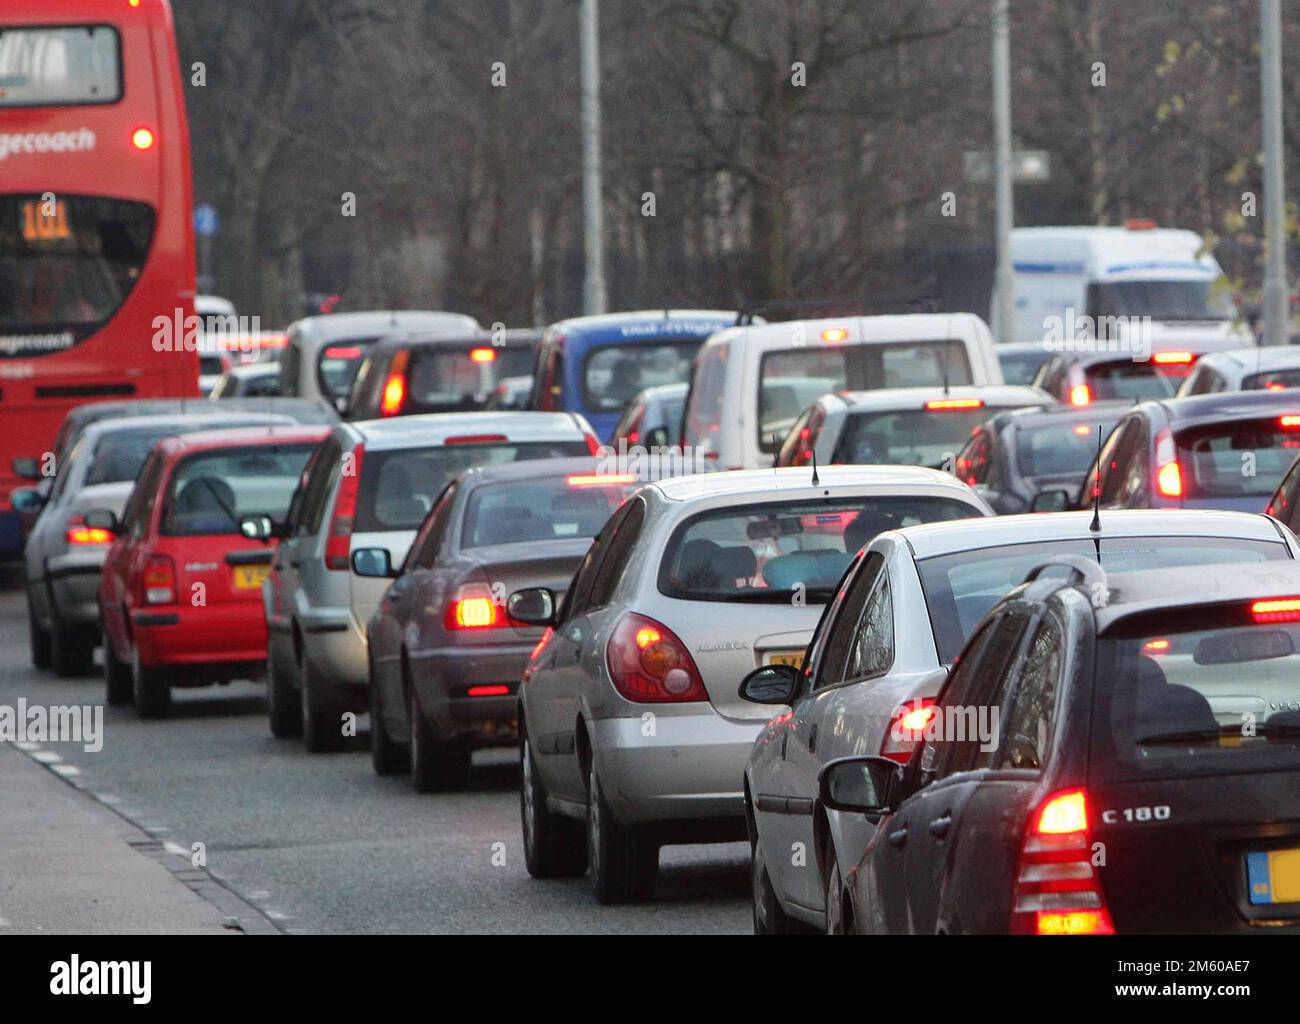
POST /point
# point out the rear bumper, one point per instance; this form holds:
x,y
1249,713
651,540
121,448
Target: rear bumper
x,y
336,648
690,769
442,678
74,587
176,635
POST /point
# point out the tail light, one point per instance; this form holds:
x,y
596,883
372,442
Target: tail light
x,y
593,443
806,440
79,534
394,396
1057,889
1169,475
650,665
339,543
907,729
473,607
1081,394
483,355
143,138
1157,648
1289,422
159,580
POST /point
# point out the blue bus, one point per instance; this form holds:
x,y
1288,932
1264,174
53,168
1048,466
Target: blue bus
x,y
596,365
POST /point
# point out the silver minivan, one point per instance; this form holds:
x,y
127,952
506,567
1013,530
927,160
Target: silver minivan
x,y
370,485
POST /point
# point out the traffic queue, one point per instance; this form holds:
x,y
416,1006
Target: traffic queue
x,y
921,637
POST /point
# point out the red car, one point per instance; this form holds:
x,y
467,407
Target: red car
x,y
181,592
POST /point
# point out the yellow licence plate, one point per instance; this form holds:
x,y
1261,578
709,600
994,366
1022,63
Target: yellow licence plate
x,y
793,658
1274,876
250,577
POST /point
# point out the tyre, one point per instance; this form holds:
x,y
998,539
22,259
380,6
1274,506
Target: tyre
x,y
435,766
119,686
554,846
623,863
387,757
72,650
837,922
283,703
769,916
152,689
40,639
322,718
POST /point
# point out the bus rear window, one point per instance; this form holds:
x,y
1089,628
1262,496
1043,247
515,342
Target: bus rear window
x,y
66,267
59,66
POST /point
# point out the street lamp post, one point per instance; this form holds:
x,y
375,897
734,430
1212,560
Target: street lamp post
x,y
1277,299
594,301
1002,166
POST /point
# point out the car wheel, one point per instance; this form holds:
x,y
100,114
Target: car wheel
x,y
434,766
119,686
322,722
283,703
769,916
837,923
41,641
622,862
72,651
554,845
387,757
152,688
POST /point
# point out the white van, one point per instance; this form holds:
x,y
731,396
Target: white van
x,y
749,384
1064,275
322,354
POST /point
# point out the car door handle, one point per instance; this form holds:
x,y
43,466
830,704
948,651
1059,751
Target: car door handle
x,y
939,827
897,839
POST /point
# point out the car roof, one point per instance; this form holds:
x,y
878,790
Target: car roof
x,y
1198,346
799,478
1060,413
1225,406
523,337
242,437
1257,359
216,416
907,398
932,539
434,428
652,323
537,469
380,323
862,330
1132,593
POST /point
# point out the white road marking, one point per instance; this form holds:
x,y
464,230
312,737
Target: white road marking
x,y
47,757
66,770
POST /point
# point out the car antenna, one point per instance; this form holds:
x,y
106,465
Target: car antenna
x,y
1095,525
816,480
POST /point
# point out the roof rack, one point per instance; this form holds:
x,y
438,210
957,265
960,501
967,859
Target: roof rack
x,y
1086,570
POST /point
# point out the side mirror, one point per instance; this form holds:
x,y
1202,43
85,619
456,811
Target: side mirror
x,y
27,499
27,467
257,527
535,606
1051,501
866,785
373,563
101,519
771,684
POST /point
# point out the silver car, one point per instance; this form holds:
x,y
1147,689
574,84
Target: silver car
x,y
632,724
64,556
445,658
370,485
882,653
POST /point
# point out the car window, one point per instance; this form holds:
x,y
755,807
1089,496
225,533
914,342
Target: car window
x,y
424,549
553,508
318,487
576,600
295,503
973,461
133,516
1027,734
209,492
1239,459
1135,467
873,642
704,403
1058,449
910,437
614,375
290,361
1118,463
615,559
831,660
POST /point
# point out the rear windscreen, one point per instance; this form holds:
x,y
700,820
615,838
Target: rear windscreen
x,y
399,487
562,508
614,375
1273,380
460,380
907,437
1022,367
1060,449
1133,381
338,365
1205,693
57,65
211,491
779,551
961,588
1236,460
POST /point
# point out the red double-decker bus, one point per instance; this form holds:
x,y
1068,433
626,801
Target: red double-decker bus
x,y
96,222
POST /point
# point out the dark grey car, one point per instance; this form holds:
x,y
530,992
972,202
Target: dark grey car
x,y
445,659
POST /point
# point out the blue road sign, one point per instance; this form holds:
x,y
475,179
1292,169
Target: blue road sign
x,y
205,220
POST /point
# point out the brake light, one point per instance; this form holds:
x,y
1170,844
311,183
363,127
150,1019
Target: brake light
x,y
593,444
648,664
488,691
477,439
1080,394
1172,358
1290,422
79,533
1169,477
805,442
339,542
473,607
597,480
142,139
1156,648
483,355
159,580
1082,430
343,352
907,729
1281,609
951,404
1140,224
1058,891
394,396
